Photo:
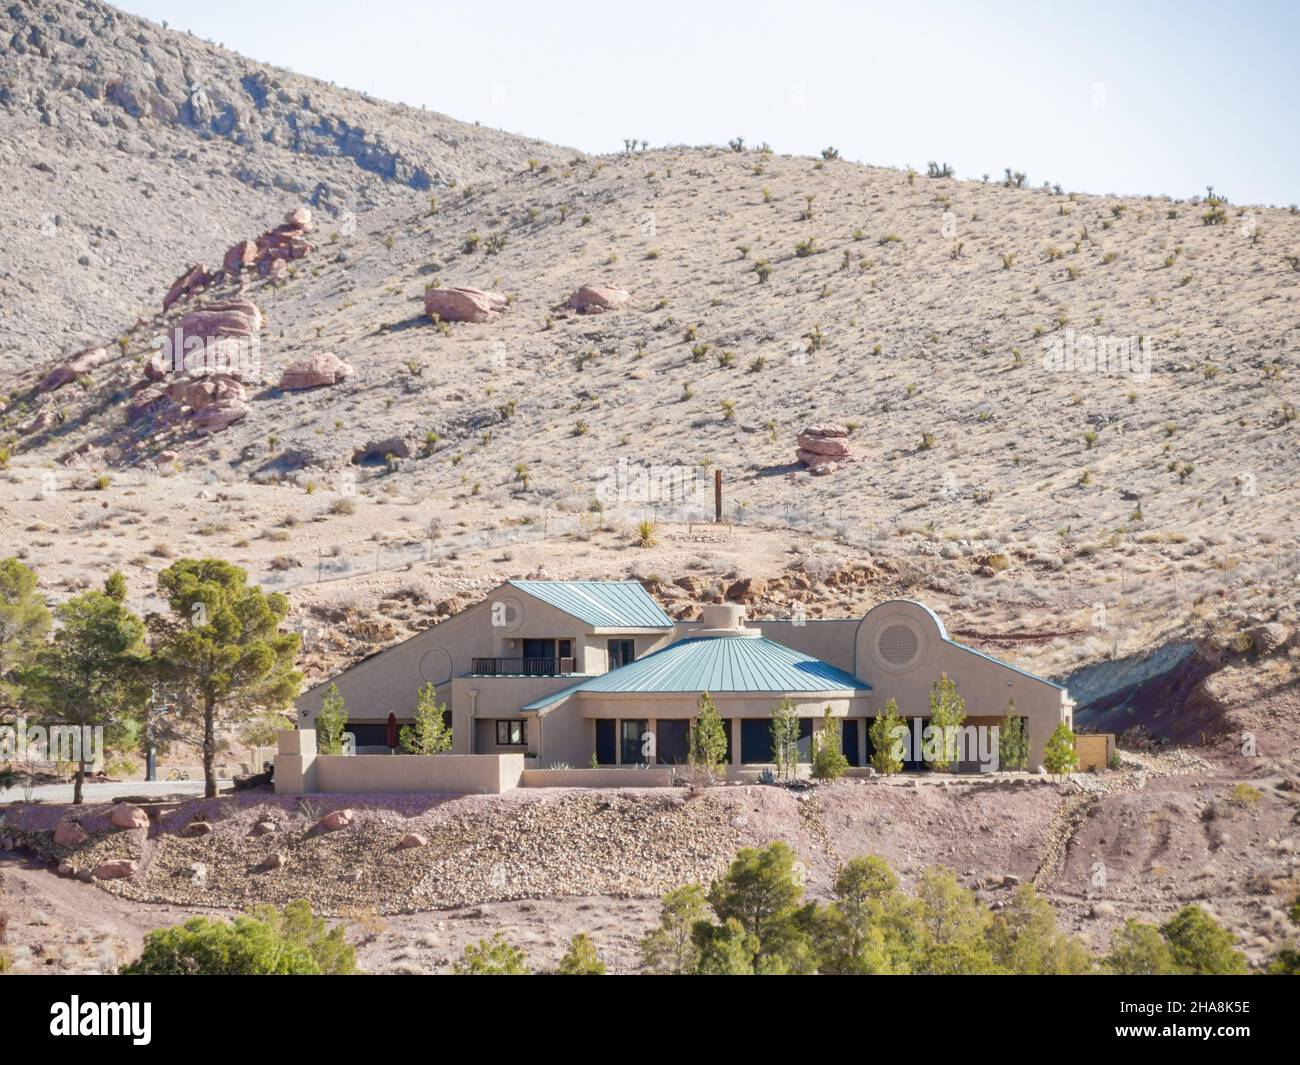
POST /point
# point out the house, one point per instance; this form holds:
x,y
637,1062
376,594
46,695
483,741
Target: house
x,y
562,671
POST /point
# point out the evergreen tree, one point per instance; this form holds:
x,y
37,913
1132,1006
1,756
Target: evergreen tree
x,y
670,949
222,651
1024,939
947,712
785,739
885,733
93,674
581,958
1013,744
1138,949
762,892
330,722
430,734
24,623
828,761
708,742
1059,757
952,924
491,957
1199,946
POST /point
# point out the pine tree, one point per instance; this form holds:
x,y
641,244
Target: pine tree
x,y
24,622
581,958
222,651
330,721
430,733
93,674
1059,756
708,744
884,733
670,949
785,739
828,761
1013,744
947,712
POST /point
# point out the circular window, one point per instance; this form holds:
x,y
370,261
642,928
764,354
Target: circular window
x,y
897,645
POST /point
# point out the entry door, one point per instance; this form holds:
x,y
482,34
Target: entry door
x,y
606,751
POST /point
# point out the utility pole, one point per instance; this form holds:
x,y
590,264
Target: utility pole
x,y
717,497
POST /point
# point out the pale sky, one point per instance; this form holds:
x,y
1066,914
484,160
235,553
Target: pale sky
x,y
1135,97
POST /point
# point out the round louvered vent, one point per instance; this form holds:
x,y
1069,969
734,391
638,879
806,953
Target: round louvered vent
x,y
897,645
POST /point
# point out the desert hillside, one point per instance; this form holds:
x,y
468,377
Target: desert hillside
x,y
1057,516
127,149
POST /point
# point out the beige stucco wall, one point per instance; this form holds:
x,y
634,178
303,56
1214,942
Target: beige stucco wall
x,y
984,684
299,770
607,777
460,773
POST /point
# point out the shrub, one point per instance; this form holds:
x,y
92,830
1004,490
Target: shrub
x,y
708,740
581,958
646,533
330,721
267,942
1059,756
828,761
491,957
884,731
670,949
1198,946
430,734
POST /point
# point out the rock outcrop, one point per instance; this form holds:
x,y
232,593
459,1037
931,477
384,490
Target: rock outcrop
x,y
595,299
69,370
462,304
824,448
325,368
195,279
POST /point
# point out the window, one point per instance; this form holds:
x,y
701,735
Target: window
x,y
512,733
621,652
633,736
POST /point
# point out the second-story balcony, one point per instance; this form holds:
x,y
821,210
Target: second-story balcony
x,y
521,667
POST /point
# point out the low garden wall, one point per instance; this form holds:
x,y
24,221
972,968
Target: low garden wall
x,y
299,770
610,777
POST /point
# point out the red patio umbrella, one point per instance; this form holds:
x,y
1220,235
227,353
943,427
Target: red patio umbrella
x,y
392,731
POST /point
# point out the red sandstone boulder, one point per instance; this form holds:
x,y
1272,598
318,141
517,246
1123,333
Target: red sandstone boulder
x,y
239,258
824,448
830,446
325,368
593,299
195,278
231,320
69,834
216,416
120,869
462,304
300,218
71,369
412,840
124,815
198,395
334,821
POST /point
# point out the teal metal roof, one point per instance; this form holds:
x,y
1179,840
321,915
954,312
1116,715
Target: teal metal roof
x,y
718,664
601,604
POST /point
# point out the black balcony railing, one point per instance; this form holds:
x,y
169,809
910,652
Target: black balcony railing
x,y
521,667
